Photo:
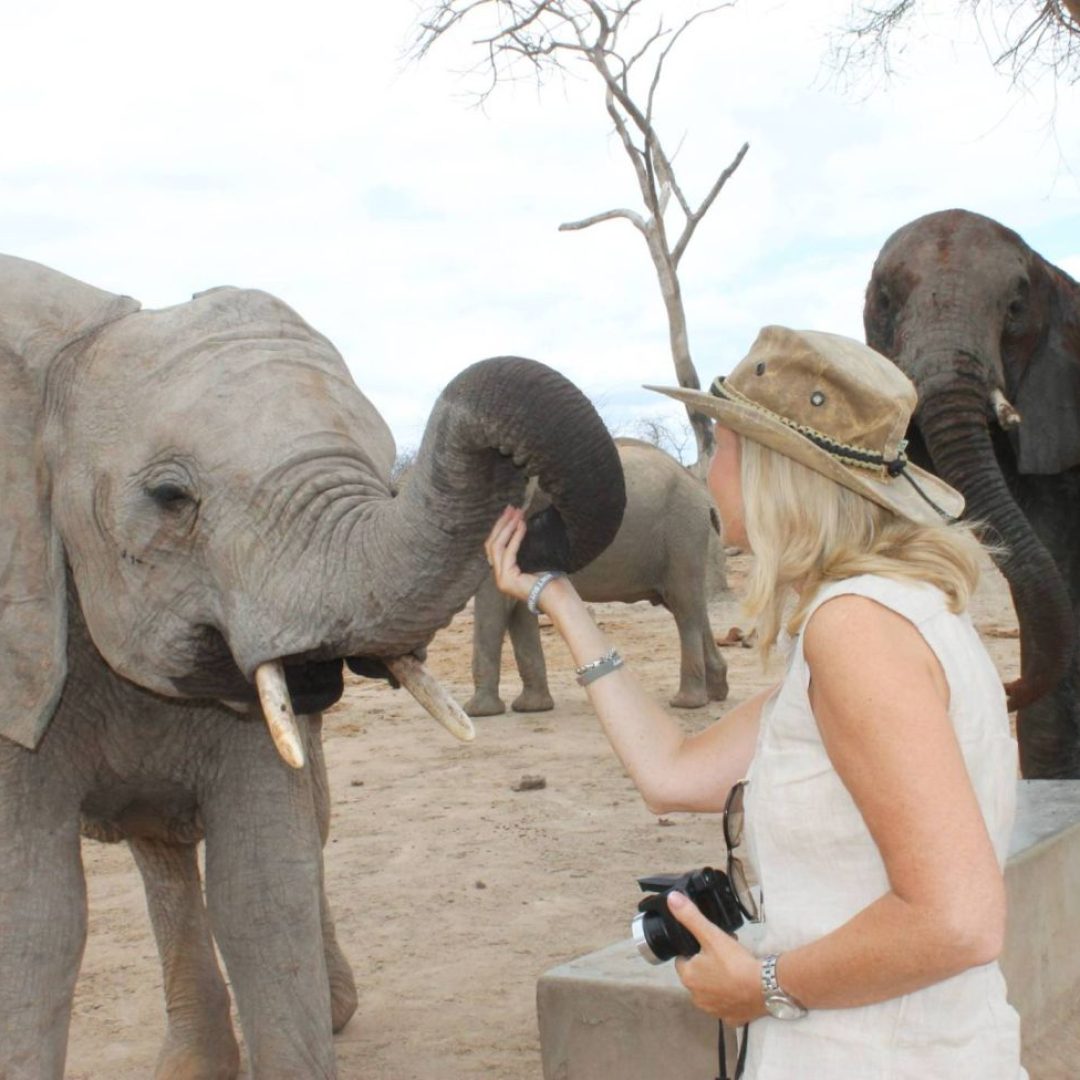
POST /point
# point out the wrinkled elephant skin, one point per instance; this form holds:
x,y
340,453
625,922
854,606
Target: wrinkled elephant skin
x,y
668,550
197,499
989,332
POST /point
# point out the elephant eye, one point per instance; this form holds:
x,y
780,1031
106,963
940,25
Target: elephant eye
x,y
884,301
169,496
1018,305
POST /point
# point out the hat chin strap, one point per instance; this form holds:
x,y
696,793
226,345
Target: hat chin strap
x,y
902,471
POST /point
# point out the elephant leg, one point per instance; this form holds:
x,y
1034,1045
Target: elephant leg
x,y
42,913
529,657
692,693
491,616
264,896
343,999
716,681
199,1043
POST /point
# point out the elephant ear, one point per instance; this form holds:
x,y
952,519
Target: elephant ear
x,y
33,612
1048,395
42,313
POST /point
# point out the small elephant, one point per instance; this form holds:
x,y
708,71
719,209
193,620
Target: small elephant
x,y
198,527
989,332
668,550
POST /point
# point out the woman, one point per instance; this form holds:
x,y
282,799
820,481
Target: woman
x,y
882,772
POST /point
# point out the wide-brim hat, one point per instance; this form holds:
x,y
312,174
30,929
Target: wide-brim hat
x,y
834,405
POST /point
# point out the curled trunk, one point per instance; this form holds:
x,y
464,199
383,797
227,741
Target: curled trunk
x,y
495,425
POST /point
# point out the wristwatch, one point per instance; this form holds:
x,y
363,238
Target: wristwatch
x,y
778,1002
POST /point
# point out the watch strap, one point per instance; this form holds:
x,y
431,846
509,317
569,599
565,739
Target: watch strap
x,y
769,984
778,1001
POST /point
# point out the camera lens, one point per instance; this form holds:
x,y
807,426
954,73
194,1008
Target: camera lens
x,y
651,937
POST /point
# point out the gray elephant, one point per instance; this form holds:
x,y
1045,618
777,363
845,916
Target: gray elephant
x,y
667,550
989,332
197,521
199,1042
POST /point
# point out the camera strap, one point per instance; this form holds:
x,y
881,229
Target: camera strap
x,y
740,1061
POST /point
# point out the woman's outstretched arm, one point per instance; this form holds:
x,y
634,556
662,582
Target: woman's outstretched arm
x,y
672,771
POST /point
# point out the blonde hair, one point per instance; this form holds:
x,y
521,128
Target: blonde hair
x,y
806,530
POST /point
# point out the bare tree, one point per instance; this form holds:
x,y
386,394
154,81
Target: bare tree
x,y
671,436
540,37
1043,35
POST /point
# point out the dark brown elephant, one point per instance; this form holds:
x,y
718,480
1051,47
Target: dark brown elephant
x,y
989,332
198,519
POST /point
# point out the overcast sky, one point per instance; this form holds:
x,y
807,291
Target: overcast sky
x,y
157,150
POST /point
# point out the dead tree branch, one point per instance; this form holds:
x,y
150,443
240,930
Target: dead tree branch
x,y
1035,35
549,35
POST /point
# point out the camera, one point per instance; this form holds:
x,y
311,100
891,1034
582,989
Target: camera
x,y
659,936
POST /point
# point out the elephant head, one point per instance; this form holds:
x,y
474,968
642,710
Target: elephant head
x,y
211,489
989,332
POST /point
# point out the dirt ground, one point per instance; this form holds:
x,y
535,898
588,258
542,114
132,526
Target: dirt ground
x,y
454,885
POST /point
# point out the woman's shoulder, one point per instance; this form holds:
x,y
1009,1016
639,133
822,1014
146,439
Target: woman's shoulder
x,y
916,600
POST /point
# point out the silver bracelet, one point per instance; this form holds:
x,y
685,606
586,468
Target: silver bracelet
x,y
545,579
602,665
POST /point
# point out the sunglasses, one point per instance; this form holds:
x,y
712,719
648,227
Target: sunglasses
x,y
734,818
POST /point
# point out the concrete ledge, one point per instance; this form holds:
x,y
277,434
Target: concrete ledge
x,y
611,1015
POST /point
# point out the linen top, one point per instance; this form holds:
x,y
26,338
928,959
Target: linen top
x,y
818,866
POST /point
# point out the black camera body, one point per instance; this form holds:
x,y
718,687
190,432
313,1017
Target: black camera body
x,y
659,936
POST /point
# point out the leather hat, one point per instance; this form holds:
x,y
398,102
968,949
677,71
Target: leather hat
x,y
835,405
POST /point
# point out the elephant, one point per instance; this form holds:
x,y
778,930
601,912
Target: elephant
x,y
667,550
989,332
199,1040
198,528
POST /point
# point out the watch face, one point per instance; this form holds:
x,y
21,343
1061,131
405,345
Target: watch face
x,y
783,1007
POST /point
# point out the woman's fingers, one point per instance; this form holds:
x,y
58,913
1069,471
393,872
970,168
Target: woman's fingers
x,y
723,978
513,543
496,541
689,914
502,547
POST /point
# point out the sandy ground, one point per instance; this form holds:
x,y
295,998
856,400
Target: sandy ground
x,y
453,889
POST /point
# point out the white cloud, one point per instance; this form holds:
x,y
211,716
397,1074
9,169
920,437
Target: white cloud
x,y
159,151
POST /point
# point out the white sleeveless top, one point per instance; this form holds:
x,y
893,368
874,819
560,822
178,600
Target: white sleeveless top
x,y
818,866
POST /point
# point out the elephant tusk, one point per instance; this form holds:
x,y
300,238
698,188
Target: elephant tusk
x,y
1007,416
432,695
278,711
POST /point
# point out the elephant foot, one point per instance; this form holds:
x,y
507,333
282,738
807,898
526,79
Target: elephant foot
x,y
718,689
196,1058
690,699
484,703
533,701
343,999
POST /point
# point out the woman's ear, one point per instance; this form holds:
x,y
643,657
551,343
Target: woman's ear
x,y
33,608
1048,395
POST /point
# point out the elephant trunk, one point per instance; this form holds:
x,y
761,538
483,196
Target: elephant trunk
x,y
385,574
417,558
952,418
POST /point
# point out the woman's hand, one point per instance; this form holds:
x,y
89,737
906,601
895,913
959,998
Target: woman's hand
x,y
724,979
502,547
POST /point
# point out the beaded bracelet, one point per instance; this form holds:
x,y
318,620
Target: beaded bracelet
x,y
599,667
545,579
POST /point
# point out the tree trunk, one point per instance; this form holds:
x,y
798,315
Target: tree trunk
x,y
679,338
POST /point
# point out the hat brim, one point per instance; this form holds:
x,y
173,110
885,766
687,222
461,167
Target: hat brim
x,y
926,499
